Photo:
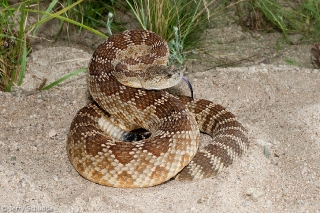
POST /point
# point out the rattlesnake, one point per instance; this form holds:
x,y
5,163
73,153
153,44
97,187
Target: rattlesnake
x,y
97,145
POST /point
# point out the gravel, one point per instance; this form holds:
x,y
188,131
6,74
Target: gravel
x,y
279,105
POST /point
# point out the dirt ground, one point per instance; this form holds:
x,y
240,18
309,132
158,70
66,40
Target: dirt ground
x,y
278,104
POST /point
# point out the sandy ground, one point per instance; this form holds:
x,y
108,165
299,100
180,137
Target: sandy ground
x,y
279,105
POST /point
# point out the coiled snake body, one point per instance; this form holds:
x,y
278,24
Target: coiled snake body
x,y
126,75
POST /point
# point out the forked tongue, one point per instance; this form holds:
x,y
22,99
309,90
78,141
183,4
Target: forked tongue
x,y
189,85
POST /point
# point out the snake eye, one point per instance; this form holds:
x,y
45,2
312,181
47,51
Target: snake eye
x,y
169,75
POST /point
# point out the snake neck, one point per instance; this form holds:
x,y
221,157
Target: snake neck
x,y
124,102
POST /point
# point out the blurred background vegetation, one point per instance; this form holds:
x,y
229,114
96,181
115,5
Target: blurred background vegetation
x,y
180,22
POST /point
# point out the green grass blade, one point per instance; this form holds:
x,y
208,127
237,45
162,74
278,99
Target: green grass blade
x,y
64,78
48,10
274,13
190,23
23,63
51,16
72,22
136,14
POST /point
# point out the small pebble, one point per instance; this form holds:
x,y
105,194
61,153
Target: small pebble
x,y
52,133
275,161
254,193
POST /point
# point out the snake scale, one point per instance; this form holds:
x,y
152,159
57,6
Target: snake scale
x,y
126,76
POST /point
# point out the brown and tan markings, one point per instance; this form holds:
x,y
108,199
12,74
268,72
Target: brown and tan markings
x,y
127,98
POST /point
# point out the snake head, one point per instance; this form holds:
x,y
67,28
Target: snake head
x,y
155,77
161,77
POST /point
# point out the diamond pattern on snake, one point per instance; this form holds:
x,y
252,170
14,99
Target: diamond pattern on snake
x,y
126,78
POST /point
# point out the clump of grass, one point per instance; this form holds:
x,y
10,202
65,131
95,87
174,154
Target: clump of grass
x,y
93,13
14,41
14,46
291,61
311,13
288,17
177,21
